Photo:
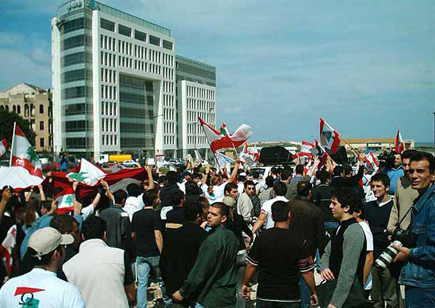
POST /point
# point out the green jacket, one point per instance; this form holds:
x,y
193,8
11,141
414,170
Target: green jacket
x,y
214,272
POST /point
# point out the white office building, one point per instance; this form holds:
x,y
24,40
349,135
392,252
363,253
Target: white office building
x,y
113,80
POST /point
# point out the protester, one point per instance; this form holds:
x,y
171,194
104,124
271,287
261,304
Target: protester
x,y
244,203
41,287
280,255
377,214
180,251
149,240
266,194
345,254
214,272
418,275
103,274
394,170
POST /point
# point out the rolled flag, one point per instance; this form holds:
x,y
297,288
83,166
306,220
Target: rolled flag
x,y
23,154
329,138
3,147
399,144
88,173
217,141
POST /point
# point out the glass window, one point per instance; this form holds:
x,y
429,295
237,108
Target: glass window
x,y
75,126
72,25
124,30
140,36
41,109
76,41
74,92
107,24
41,142
41,125
154,40
73,76
80,143
167,45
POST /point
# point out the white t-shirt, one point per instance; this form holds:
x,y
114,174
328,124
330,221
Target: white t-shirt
x,y
369,236
41,288
267,208
218,193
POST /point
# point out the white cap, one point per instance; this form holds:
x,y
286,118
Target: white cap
x,y
45,240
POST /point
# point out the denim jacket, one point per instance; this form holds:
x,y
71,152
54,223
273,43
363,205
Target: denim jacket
x,y
420,269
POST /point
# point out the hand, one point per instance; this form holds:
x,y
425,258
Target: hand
x,y
238,161
327,274
314,301
403,255
39,187
53,209
6,195
149,169
246,292
177,296
104,184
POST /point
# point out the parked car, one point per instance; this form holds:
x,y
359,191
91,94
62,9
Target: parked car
x,y
129,163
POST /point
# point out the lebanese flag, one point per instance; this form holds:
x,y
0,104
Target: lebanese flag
x,y
306,148
88,173
329,138
63,193
23,154
3,147
246,157
224,129
18,178
217,141
7,246
371,160
122,178
399,144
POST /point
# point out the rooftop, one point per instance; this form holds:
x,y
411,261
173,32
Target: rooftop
x,y
94,5
177,57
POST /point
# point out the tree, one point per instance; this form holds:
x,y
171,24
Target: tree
x,y
7,120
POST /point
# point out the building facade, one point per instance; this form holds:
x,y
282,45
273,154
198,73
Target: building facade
x,y
113,82
35,105
196,97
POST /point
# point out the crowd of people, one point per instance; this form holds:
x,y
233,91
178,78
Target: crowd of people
x,y
302,236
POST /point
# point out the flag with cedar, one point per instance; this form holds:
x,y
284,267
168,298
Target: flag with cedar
x,y
23,154
329,138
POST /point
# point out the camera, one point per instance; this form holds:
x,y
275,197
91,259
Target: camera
x,y
400,239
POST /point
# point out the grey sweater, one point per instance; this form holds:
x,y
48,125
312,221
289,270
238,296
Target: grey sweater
x,y
353,244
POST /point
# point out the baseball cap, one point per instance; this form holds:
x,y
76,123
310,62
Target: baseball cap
x,y
45,240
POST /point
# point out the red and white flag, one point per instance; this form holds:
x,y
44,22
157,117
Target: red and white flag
x,y
23,154
399,144
63,193
88,173
3,147
329,137
306,148
371,160
217,141
7,247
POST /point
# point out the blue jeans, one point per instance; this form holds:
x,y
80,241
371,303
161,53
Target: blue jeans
x,y
419,297
305,293
144,265
266,304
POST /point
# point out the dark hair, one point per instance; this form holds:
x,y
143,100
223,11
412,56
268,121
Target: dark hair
x,y
249,182
424,156
270,181
299,169
338,170
408,154
286,173
119,196
280,188
94,228
255,174
304,188
359,206
229,187
196,176
149,197
381,177
191,211
324,176
177,197
192,188
280,210
345,196
133,190
162,179
43,260
63,223
46,205
172,177
347,170
31,207
223,208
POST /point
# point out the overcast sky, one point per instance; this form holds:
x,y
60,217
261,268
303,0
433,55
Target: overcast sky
x,y
366,66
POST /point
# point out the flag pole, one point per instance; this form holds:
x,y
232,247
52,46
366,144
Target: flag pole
x,y
12,146
341,138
